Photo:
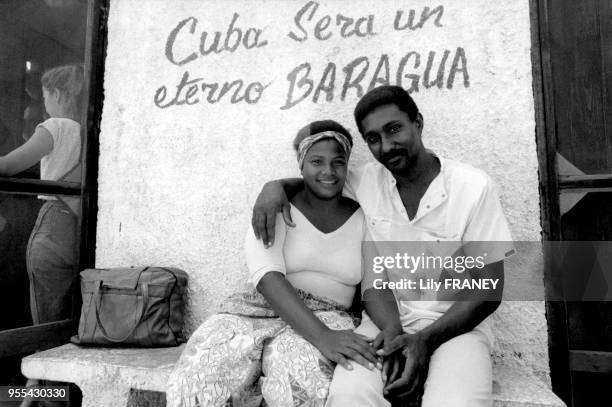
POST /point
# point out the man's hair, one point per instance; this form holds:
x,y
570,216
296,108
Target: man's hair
x,y
319,127
381,96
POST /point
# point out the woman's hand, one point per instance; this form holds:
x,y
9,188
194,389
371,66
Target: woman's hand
x,y
271,200
341,345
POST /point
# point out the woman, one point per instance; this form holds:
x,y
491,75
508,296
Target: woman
x,y
296,324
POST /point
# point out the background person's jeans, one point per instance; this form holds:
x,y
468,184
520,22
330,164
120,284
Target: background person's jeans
x,y
50,258
50,262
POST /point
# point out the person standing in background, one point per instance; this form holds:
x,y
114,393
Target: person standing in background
x,y
56,144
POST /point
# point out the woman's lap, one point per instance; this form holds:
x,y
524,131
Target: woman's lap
x,y
294,371
223,360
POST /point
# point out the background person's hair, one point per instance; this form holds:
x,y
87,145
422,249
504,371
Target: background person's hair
x,y
69,80
319,127
385,95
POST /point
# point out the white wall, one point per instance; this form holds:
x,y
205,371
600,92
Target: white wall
x,y
176,183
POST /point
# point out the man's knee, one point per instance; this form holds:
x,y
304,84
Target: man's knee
x,y
460,373
456,399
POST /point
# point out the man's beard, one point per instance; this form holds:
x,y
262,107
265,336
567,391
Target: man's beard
x,y
399,152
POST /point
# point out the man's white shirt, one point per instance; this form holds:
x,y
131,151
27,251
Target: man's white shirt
x,y
461,205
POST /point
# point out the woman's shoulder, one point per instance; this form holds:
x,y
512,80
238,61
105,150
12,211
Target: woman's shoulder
x,y
57,125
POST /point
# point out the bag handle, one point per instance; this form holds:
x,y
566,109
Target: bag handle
x,y
142,304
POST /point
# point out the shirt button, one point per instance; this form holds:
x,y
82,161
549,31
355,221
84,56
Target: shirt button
x,y
443,195
427,206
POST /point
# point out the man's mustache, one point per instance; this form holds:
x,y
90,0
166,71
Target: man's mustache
x,y
392,154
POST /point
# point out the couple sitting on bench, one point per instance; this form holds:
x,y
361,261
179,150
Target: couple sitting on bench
x,y
292,341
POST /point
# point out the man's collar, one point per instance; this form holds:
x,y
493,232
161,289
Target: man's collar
x,y
437,191
441,159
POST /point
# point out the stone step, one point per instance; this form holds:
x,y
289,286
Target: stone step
x,y
106,375
513,387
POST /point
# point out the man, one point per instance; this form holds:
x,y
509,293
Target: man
x,y
441,348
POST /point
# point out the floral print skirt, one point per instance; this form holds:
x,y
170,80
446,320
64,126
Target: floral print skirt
x,y
247,356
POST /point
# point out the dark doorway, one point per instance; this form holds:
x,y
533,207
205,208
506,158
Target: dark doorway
x,y
573,87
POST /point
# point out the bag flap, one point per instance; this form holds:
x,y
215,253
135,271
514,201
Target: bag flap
x,y
126,278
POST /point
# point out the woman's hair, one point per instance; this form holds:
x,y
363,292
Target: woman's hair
x,y
319,127
69,80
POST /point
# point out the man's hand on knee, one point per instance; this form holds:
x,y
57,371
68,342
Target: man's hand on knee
x,y
409,380
391,365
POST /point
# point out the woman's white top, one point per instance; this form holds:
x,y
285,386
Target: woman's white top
x,y
324,264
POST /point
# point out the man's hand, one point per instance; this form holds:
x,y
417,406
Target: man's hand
x,y
341,345
384,338
411,378
270,201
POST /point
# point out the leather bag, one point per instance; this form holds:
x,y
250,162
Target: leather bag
x,y
132,307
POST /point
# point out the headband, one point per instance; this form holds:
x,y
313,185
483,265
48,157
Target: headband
x,y
305,144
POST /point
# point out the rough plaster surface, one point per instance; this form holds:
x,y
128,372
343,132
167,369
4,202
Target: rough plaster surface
x,y
176,184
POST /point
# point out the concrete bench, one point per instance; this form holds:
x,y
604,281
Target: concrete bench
x,y
105,376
